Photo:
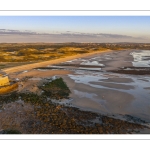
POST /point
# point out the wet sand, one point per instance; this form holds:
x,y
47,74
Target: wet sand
x,y
50,118
101,91
112,85
118,80
99,100
120,59
114,93
38,73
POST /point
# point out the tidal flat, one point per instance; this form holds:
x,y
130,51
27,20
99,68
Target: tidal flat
x,y
100,100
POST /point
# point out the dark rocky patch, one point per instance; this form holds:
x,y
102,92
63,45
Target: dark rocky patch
x,y
53,118
133,70
79,65
9,131
134,119
63,68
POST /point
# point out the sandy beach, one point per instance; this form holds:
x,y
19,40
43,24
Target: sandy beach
x,y
95,87
100,91
51,62
108,92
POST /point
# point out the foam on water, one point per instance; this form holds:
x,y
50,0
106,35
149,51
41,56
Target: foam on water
x,y
92,63
25,71
139,58
94,69
42,69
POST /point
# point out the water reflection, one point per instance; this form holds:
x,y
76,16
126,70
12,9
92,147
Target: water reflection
x,y
140,84
85,94
141,58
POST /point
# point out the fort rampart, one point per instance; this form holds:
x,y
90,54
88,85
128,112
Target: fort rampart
x,y
8,88
4,80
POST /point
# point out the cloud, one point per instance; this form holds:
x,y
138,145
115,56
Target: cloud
x,y
16,32
67,33
67,36
114,35
96,35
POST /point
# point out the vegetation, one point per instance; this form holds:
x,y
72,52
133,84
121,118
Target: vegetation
x,y
56,89
10,132
40,52
14,54
49,117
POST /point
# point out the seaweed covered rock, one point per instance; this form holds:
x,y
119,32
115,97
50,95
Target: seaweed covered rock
x,y
56,89
10,132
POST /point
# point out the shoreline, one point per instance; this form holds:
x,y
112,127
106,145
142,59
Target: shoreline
x,y
50,62
106,91
97,97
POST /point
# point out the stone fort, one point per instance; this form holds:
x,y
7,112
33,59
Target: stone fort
x,y
6,85
4,79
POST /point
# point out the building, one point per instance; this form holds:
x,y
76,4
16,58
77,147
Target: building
x,y
4,79
6,85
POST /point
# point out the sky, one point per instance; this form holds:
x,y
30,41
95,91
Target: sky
x,y
97,29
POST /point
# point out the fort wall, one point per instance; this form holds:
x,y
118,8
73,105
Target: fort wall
x,y
4,80
8,88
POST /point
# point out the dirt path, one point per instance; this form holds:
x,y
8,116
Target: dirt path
x,y
50,62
